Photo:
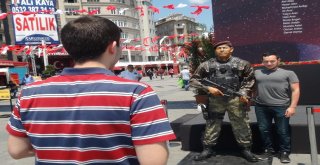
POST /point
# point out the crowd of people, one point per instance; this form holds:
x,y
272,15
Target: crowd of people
x,y
87,114
152,73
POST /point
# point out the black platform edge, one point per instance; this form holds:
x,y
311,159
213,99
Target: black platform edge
x,y
5,115
189,132
175,125
223,158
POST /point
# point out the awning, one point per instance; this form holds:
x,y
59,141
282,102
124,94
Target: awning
x,y
6,63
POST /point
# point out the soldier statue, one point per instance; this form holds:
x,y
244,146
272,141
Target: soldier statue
x,y
234,73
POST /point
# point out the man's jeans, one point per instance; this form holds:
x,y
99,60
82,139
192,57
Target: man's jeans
x,y
186,84
265,114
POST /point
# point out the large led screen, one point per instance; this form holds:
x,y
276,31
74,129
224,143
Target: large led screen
x,y
289,27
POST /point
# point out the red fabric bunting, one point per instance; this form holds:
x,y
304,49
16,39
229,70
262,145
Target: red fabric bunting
x,y
140,8
155,39
111,7
26,13
45,11
171,6
136,39
199,9
154,9
81,11
93,12
145,41
172,36
193,34
3,16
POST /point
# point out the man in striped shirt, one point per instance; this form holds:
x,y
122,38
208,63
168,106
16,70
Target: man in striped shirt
x,y
87,115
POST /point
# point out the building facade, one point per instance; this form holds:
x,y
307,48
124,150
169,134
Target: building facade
x,y
126,15
176,30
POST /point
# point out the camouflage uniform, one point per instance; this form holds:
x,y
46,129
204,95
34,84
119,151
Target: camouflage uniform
x,y
218,105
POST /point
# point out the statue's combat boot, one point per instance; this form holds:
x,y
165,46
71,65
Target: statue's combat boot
x,y
207,152
248,155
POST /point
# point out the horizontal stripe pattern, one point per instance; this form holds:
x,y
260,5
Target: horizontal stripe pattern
x,y
89,119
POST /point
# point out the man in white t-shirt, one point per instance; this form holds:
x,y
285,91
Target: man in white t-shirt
x,y
130,74
185,75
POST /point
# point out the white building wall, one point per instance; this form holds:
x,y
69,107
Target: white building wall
x,y
147,29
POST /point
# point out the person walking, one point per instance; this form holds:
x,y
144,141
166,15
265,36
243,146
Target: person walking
x,y
238,75
130,74
150,73
88,115
13,89
277,96
171,72
27,79
161,72
185,75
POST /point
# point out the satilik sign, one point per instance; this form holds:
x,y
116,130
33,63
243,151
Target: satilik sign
x,y
34,22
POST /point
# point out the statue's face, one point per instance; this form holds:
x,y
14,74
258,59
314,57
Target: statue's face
x,y
223,52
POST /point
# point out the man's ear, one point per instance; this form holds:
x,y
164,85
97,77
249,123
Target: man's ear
x,y
112,48
231,50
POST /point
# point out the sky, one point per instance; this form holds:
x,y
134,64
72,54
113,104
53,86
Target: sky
x,y
205,17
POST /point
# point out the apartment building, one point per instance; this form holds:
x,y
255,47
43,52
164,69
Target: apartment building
x,y
135,26
179,29
179,25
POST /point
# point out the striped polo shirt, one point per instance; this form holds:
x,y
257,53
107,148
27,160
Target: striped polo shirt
x,y
89,116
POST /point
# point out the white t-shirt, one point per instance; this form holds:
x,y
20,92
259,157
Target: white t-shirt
x,y
185,74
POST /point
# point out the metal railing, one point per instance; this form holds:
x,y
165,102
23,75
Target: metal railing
x,y
312,134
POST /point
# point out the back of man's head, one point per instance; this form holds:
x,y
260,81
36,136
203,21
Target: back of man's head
x,y
87,37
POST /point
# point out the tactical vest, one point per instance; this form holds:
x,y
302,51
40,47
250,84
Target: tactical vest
x,y
226,74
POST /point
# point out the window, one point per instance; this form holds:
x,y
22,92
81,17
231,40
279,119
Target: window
x,y
124,35
137,36
121,23
131,3
93,1
119,1
90,9
70,11
70,1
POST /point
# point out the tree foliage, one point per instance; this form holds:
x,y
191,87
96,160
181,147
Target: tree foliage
x,y
200,50
50,71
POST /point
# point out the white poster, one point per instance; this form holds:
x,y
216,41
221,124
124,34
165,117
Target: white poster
x,y
34,22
